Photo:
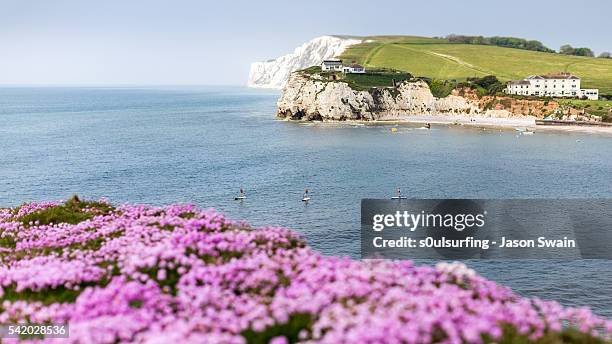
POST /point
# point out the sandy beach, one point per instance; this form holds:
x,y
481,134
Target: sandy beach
x,y
471,121
491,122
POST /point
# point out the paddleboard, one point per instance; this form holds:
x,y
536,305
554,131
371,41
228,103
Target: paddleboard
x,y
305,199
399,197
239,198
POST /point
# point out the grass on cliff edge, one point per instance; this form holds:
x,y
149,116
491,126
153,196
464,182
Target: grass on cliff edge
x,y
438,59
362,82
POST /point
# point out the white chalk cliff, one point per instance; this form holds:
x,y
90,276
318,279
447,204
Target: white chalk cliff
x,y
309,97
275,73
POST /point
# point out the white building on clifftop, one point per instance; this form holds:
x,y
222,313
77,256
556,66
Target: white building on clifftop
x,y
332,65
562,85
335,65
353,69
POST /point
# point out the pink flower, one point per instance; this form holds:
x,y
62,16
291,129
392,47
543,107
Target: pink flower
x,y
181,274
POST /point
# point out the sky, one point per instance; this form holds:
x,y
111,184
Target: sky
x,y
198,42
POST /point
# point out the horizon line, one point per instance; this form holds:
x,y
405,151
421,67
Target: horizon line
x,y
118,85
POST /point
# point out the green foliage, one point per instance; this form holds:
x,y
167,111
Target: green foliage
x,y
71,212
58,214
594,107
440,88
569,50
605,55
46,296
170,281
380,78
485,81
566,49
487,85
7,240
187,215
290,330
508,42
567,336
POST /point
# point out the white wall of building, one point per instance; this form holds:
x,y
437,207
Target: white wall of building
x,y
352,70
591,93
334,66
551,87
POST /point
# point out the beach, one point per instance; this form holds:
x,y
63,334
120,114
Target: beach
x,y
500,123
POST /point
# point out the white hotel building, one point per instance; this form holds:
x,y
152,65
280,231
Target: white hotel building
x,y
562,85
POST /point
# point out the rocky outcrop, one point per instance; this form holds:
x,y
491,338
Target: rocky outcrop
x,y
311,97
275,73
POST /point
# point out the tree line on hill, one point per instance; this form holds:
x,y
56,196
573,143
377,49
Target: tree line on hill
x,y
520,43
569,50
509,42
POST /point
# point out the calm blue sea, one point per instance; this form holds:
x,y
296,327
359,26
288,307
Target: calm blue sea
x,y
200,145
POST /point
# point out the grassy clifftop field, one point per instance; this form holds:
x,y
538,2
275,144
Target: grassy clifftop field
x,y
440,59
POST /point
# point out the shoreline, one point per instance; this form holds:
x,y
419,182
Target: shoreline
x,y
478,122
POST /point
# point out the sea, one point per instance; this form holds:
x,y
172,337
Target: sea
x,y
161,145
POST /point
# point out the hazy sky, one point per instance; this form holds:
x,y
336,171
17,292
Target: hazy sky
x,y
213,42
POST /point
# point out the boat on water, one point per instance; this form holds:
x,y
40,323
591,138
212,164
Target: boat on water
x,y
306,196
524,131
398,194
241,195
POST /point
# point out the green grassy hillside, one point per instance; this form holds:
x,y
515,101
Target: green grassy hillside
x,y
437,58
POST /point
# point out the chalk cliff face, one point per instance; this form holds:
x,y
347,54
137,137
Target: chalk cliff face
x,y
275,73
309,98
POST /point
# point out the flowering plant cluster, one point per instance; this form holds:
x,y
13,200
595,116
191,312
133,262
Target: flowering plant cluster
x,y
184,275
